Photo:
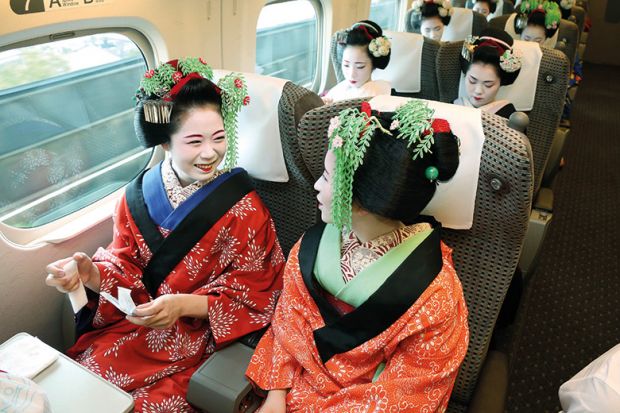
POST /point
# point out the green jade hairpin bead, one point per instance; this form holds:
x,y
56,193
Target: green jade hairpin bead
x,y
431,173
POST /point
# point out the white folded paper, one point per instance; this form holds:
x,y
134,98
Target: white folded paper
x,y
124,302
26,356
78,296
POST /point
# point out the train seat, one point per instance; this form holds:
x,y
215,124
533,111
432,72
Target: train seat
x,y
464,22
269,151
411,53
545,139
566,38
485,255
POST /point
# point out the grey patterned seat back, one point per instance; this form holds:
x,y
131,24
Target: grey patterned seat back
x,y
413,22
578,16
548,101
507,8
486,255
428,86
292,204
568,35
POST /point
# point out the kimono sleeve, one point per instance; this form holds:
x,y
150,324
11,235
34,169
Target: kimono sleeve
x,y
272,366
243,298
422,365
121,264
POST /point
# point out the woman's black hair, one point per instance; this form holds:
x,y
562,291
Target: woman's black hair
x,y
391,184
432,10
492,4
195,93
565,12
491,55
361,34
535,18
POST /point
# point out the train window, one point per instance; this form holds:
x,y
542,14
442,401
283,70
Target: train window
x,y
385,13
287,39
66,125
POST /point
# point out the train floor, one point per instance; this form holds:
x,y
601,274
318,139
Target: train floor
x,y
571,305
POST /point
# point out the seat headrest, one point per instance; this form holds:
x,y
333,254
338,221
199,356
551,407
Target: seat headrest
x,y
510,29
454,201
499,10
260,148
404,71
522,92
461,25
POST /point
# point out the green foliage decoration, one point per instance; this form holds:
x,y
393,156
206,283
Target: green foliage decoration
x,y
234,96
413,121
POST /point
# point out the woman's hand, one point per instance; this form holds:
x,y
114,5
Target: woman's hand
x,y
327,100
275,402
66,276
161,313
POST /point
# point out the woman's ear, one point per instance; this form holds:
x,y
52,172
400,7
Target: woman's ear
x,y
358,210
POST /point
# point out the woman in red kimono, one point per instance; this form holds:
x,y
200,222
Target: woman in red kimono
x,y
372,316
193,243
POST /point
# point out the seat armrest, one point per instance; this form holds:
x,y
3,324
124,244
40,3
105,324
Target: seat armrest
x,y
491,389
220,386
544,200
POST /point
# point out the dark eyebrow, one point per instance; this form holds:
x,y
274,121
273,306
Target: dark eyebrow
x,y
218,131
193,135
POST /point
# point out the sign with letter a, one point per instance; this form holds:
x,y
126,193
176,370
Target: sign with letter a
x,y
41,6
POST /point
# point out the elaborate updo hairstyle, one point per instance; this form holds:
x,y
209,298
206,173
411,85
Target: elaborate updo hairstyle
x,y
492,4
362,34
195,93
391,184
424,9
545,14
493,47
191,91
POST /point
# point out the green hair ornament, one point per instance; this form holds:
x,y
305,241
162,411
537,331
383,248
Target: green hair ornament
x,y
553,15
414,123
164,81
349,136
234,96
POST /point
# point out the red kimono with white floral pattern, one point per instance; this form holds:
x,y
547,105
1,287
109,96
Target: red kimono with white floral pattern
x,y
422,352
237,265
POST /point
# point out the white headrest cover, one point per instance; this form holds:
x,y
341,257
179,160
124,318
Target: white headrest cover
x,y
460,26
510,29
260,148
405,68
499,10
522,92
596,388
454,201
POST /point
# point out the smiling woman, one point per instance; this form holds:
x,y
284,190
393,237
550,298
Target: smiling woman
x,y
179,245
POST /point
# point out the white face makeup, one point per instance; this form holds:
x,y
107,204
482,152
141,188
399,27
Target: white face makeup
x,y
199,146
534,33
356,65
482,84
482,8
432,27
324,187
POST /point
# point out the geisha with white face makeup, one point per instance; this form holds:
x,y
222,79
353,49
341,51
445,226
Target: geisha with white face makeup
x,y
365,49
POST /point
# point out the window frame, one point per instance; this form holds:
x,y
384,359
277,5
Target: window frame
x,y
320,20
74,223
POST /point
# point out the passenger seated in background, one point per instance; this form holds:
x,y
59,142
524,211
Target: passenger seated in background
x,y
537,20
485,7
434,16
365,49
193,243
566,7
489,62
334,344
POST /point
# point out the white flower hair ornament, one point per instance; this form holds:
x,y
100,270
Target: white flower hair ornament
x,y
380,46
567,4
509,61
